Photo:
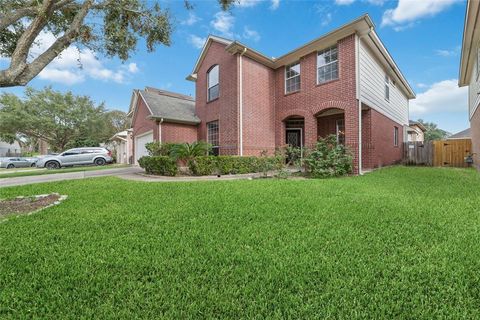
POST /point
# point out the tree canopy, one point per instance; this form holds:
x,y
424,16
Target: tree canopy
x,y
63,120
109,27
433,132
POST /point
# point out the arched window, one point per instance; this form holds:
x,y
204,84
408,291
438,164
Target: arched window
x,y
213,83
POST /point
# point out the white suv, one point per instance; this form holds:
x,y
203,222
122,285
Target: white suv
x,y
76,156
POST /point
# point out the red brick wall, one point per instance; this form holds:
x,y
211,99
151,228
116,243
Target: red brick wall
x,y
313,98
383,150
328,125
178,133
225,108
258,108
140,122
475,132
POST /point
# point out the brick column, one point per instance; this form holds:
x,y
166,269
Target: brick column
x,y
351,134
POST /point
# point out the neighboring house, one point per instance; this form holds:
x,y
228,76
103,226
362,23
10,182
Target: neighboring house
x,y
470,73
465,134
10,149
416,132
344,83
123,146
159,115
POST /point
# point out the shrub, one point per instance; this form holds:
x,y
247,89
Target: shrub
x,y
208,165
158,165
188,151
160,149
328,159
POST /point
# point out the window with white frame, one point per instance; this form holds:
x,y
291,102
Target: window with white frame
x,y
327,65
395,136
387,88
292,77
213,83
341,131
212,136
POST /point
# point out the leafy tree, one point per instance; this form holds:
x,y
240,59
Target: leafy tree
x,y
433,132
188,151
109,27
63,120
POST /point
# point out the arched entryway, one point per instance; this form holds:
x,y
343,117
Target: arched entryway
x,y
295,131
331,121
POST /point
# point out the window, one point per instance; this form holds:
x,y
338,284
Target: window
x,y
395,136
387,88
292,77
341,131
212,136
327,65
213,83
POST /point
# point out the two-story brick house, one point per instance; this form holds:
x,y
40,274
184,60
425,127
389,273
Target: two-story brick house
x,y
343,83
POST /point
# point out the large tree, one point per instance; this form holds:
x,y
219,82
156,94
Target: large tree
x,y
433,132
63,120
109,27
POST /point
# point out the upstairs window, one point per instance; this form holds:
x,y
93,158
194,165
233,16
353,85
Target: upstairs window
x,y
327,65
212,136
292,77
387,88
213,83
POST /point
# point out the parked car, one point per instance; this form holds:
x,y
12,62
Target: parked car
x,y
15,162
76,156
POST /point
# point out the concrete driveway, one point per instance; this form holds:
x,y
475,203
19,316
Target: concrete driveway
x,y
18,181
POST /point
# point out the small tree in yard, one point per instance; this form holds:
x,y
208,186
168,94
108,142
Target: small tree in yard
x,y
189,151
328,159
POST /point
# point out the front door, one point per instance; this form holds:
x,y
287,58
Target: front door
x,y
294,137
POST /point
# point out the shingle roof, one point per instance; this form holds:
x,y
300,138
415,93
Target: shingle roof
x,y
465,134
172,107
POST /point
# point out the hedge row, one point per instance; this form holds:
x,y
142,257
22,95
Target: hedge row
x,y
159,165
208,165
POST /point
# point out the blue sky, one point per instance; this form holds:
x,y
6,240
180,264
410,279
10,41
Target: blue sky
x,y
423,36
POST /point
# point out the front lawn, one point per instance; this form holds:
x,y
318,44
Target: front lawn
x,y
396,243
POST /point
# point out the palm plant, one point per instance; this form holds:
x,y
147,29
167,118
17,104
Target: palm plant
x,y
189,151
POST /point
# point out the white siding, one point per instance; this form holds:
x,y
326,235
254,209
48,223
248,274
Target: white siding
x,y
372,88
473,90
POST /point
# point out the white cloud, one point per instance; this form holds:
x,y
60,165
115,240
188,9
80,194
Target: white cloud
x,y
251,34
443,96
275,4
247,3
326,20
196,41
133,68
192,19
223,23
448,53
74,65
344,2
407,11
422,85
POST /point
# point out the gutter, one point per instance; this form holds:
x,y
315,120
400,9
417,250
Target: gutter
x,y
240,103
160,130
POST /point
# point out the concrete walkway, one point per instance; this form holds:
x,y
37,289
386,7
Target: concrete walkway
x,y
19,181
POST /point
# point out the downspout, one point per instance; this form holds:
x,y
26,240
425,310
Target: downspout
x,y
359,98
160,130
240,116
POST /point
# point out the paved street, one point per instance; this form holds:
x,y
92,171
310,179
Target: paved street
x,y
18,181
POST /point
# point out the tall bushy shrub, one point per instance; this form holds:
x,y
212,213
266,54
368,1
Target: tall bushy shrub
x,y
209,165
159,165
160,149
328,159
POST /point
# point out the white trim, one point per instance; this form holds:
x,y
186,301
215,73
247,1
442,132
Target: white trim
x,y
193,75
327,64
240,116
299,75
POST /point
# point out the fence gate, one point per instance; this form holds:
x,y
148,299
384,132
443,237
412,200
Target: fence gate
x,y
418,153
451,153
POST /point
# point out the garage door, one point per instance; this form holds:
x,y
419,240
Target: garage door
x,y
140,142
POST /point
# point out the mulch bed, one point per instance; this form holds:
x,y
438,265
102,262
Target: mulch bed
x,y
22,205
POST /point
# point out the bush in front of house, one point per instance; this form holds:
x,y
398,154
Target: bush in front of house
x,y
160,149
208,165
159,165
328,159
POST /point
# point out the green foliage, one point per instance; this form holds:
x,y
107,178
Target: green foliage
x,y
158,165
208,165
63,120
156,148
328,159
433,132
188,151
397,243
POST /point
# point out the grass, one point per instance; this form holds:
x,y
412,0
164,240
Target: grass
x,y
39,172
396,243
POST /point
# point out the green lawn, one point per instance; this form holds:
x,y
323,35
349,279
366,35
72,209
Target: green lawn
x,y
40,171
396,243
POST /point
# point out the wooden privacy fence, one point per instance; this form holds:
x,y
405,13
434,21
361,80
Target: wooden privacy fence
x,y
440,153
